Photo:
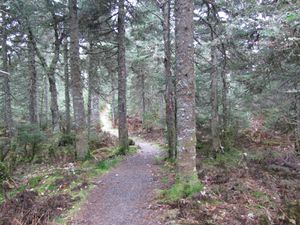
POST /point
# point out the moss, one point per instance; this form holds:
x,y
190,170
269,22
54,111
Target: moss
x,y
34,181
17,190
181,190
105,165
260,195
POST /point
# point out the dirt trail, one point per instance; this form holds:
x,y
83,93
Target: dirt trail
x,y
124,195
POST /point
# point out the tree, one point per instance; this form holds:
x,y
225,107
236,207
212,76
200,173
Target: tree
x,y
33,115
170,88
122,108
185,87
67,87
50,69
8,117
93,96
78,104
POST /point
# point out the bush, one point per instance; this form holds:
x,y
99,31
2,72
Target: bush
x,y
228,138
29,135
3,173
67,139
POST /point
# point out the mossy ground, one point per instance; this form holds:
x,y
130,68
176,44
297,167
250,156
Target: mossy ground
x,y
243,185
75,179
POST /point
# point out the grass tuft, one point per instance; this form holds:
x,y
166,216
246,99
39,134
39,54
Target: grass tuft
x,y
181,190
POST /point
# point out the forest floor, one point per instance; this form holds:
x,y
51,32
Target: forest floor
x,y
255,182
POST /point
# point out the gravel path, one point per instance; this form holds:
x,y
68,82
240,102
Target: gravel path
x,y
125,194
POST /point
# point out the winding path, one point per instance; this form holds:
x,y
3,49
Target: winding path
x,y
124,195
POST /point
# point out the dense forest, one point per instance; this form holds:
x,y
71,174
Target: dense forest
x,y
214,83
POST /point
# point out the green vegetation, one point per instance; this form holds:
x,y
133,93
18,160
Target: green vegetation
x,y
227,159
64,181
33,182
29,135
106,165
180,190
260,195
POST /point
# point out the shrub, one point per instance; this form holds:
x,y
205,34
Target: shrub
x,y
29,135
3,173
66,139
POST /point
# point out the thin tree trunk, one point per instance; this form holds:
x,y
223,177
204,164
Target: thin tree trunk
x,y
225,100
122,108
78,104
93,97
214,101
170,88
67,88
33,118
46,95
225,103
51,77
143,96
186,121
297,129
8,119
113,99
53,90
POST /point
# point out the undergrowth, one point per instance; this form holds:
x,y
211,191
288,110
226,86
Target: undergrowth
x,y
181,190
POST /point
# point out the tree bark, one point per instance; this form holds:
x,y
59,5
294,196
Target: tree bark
x,y
78,104
113,99
53,89
33,116
67,88
51,74
170,88
185,87
297,129
225,104
122,108
143,96
225,91
8,119
93,97
46,93
214,101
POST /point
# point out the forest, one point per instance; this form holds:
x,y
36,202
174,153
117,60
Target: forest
x,y
147,112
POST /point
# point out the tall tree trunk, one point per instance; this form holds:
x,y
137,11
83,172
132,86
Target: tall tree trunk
x,y
33,118
113,99
93,96
170,87
225,91
186,121
78,104
143,96
67,88
225,104
51,76
53,89
297,129
214,101
8,119
46,96
122,108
